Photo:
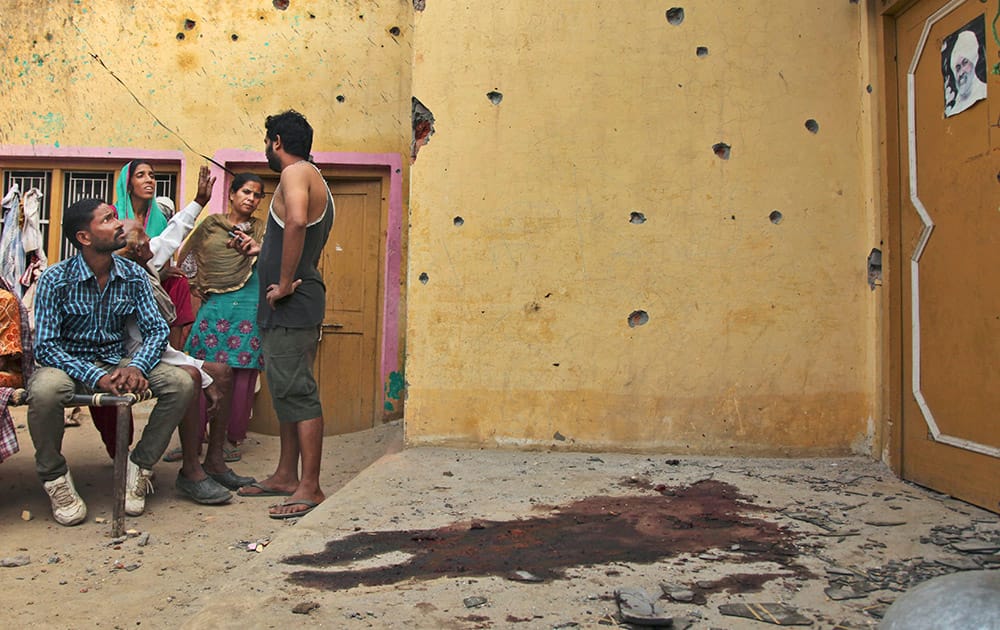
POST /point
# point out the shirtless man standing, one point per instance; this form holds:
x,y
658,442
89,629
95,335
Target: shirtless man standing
x,y
291,308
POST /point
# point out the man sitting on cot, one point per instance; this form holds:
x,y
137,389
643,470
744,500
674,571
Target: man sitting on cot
x,y
82,305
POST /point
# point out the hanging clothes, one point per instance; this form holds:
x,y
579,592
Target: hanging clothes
x,y
34,250
11,250
31,232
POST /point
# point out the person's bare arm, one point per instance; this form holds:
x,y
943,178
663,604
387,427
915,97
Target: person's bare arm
x,y
295,194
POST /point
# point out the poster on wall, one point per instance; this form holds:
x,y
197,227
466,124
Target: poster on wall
x,y
963,64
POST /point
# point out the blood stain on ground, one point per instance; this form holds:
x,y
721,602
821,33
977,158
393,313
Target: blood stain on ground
x,y
597,530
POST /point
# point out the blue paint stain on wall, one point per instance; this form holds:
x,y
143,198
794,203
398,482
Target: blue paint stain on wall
x,y
394,389
52,124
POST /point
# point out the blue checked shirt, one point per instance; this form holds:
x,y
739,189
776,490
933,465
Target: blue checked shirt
x,y
77,324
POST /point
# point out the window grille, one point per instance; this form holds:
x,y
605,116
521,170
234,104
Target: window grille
x,y
26,180
166,185
79,185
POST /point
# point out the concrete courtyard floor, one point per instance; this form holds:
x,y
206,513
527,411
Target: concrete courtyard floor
x,y
444,538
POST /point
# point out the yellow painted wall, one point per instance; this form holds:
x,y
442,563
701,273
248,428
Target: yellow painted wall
x,y
760,337
92,73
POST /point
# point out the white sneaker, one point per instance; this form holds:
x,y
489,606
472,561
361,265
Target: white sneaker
x,y
138,483
67,506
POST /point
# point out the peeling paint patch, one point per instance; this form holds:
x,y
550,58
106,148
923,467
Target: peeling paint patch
x,y
394,389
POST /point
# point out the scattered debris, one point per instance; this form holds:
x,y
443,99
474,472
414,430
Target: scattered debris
x,y
677,593
635,606
884,523
143,539
26,515
474,602
15,561
525,576
849,591
100,519
976,546
768,612
304,608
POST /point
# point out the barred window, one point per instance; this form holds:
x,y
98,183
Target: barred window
x,y
64,182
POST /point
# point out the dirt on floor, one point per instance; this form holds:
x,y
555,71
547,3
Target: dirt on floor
x,y
469,538
76,577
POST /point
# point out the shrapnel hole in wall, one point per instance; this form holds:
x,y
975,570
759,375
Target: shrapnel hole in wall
x,y
721,150
637,218
812,126
637,318
494,96
675,15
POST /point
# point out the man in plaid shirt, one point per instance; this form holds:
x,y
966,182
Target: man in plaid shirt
x,y
80,311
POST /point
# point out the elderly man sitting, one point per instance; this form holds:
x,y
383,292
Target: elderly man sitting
x,y
82,305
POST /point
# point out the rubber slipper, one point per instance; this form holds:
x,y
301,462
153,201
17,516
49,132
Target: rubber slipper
x,y
262,491
231,480
231,454
174,455
310,506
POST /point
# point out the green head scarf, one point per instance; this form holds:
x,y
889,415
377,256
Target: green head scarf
x,y
155,221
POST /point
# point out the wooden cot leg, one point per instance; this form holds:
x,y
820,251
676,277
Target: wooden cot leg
x,y
121,470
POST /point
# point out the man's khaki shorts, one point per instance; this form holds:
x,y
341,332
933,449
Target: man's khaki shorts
x,y
288,363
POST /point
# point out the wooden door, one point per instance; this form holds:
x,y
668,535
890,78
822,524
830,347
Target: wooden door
x,y
347,360
949,239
